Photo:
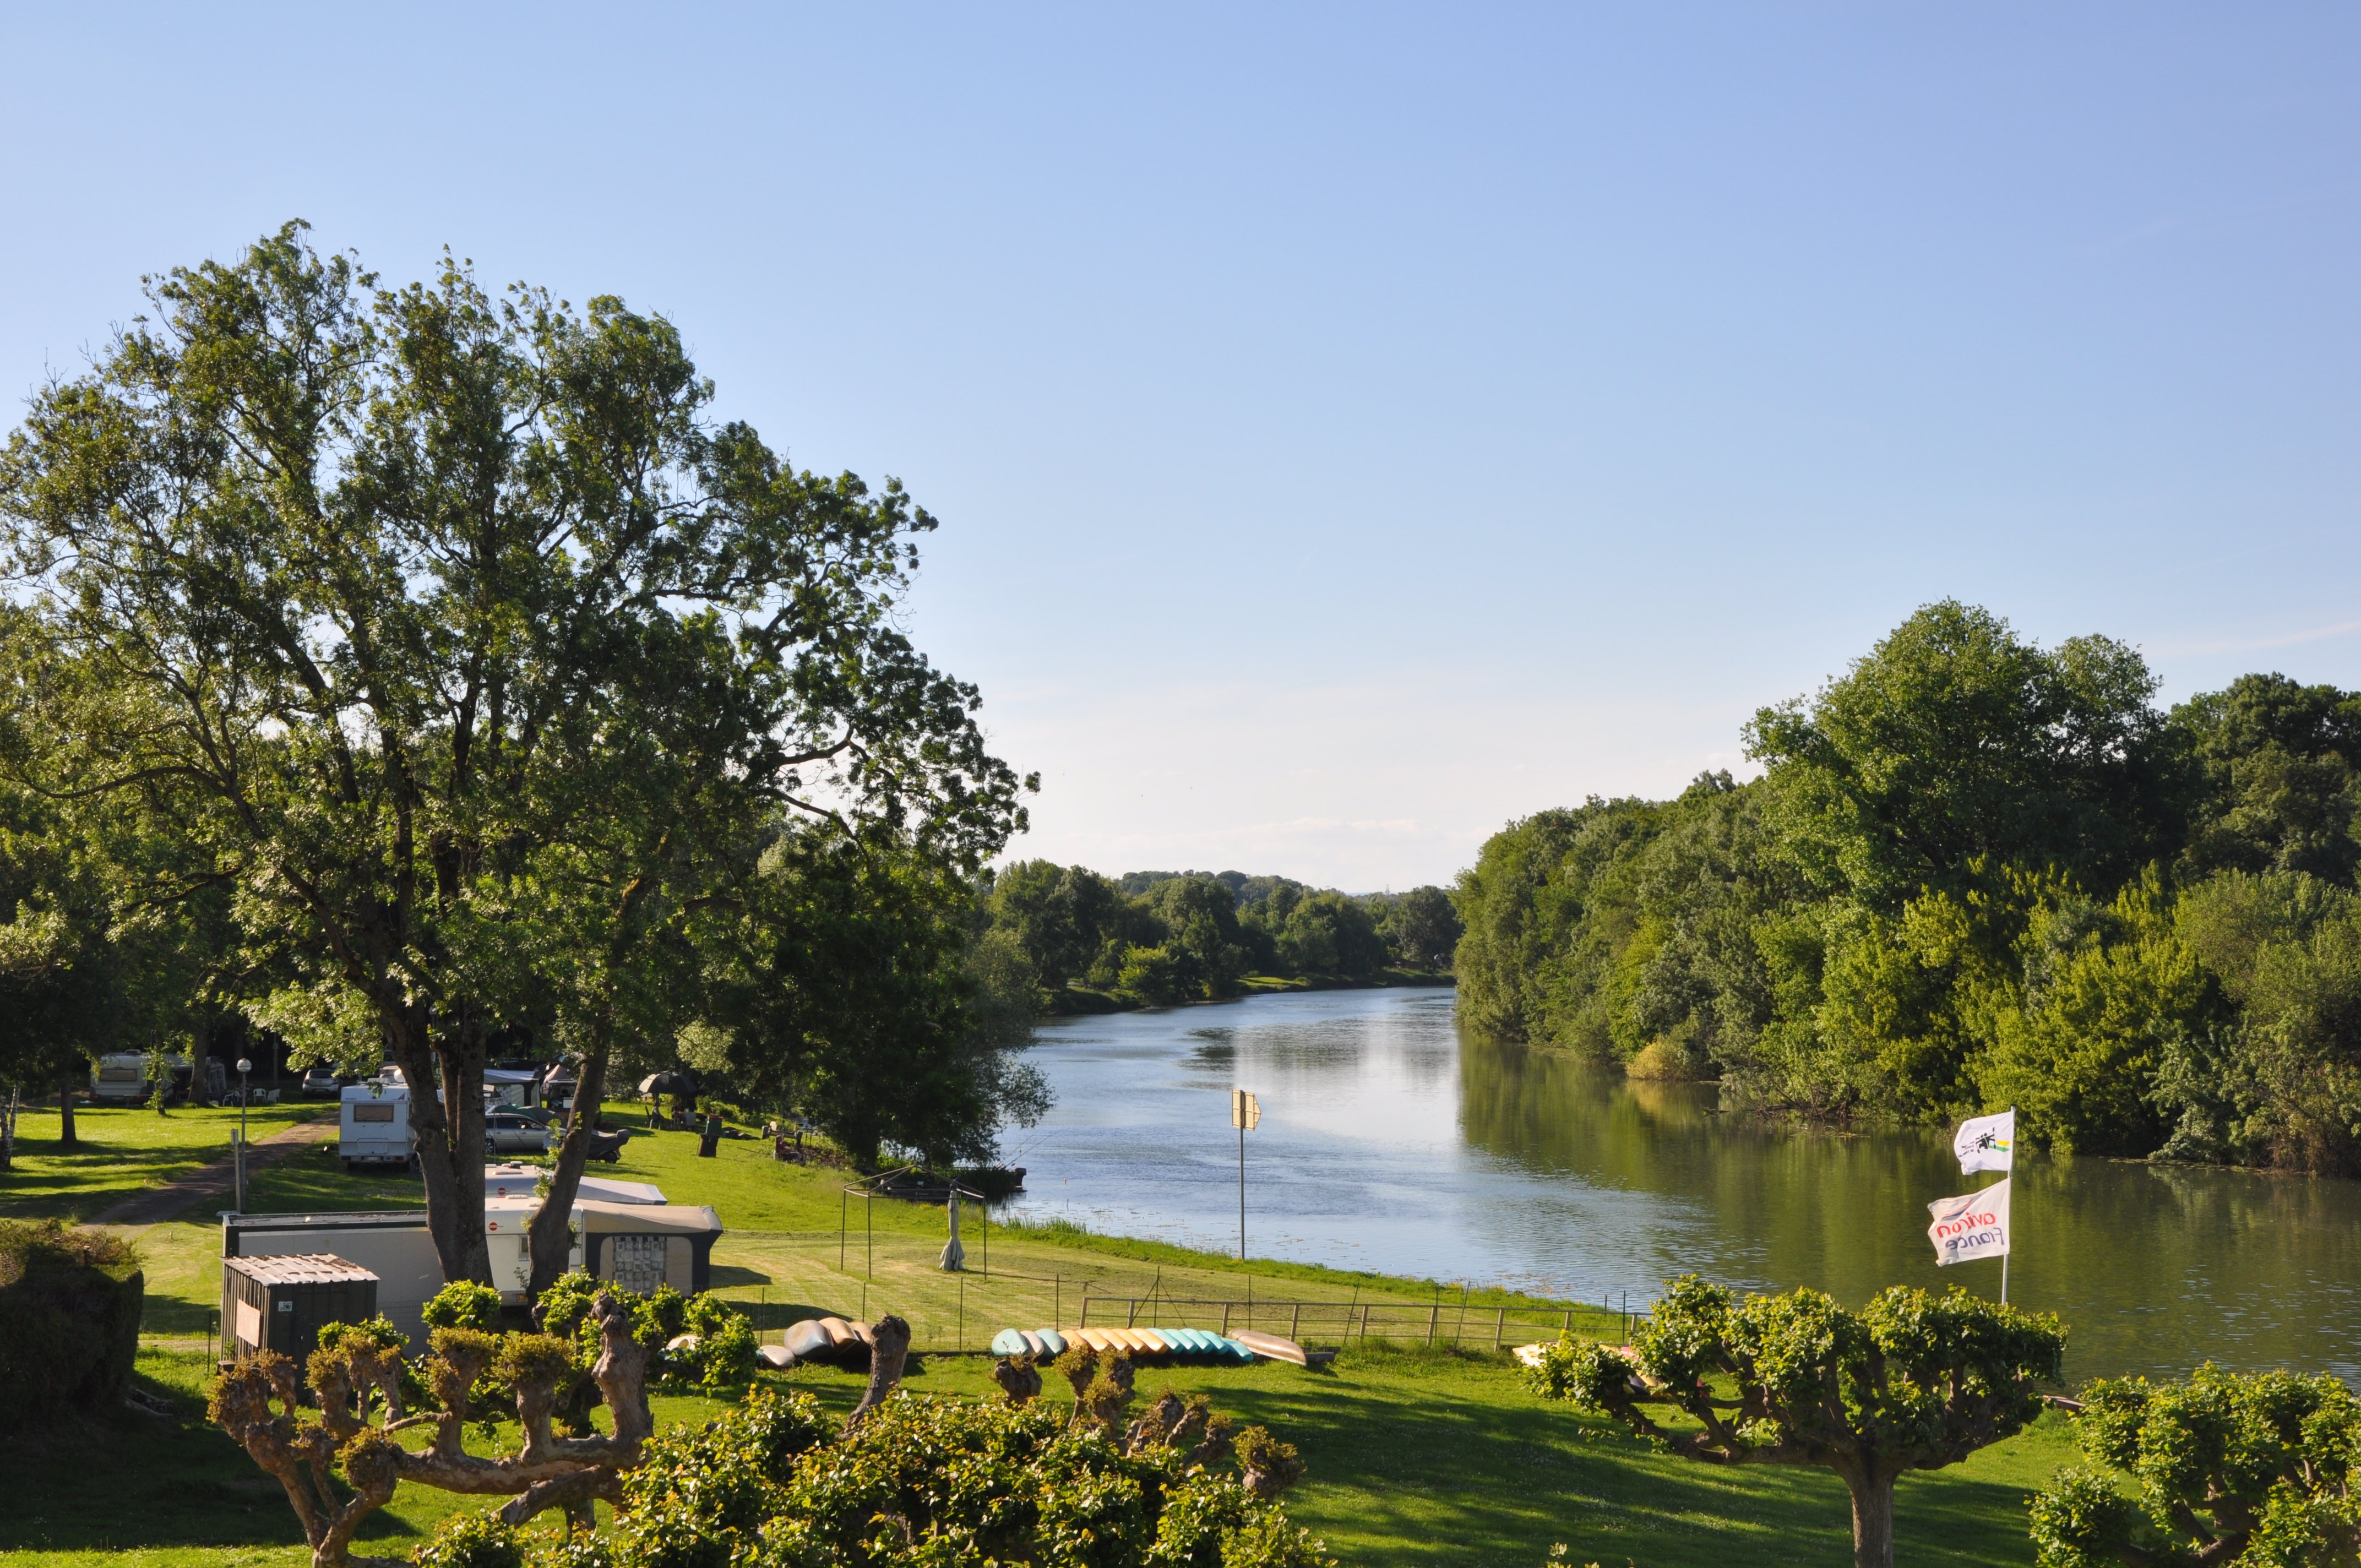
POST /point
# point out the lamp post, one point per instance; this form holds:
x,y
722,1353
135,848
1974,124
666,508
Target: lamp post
x,y
244,1066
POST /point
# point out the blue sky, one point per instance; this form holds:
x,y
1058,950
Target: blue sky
x,y
1354,427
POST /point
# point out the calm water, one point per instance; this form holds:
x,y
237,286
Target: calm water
x,y
1391,1141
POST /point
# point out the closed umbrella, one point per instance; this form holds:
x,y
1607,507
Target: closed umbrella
x,y
954,1256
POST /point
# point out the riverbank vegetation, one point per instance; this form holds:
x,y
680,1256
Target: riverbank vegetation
x,y
1974,872
1153,938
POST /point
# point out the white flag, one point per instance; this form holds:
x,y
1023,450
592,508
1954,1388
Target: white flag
x,y
1986,1143
1972,1227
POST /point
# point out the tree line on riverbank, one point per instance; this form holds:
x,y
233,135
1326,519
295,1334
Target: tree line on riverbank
x,y
1164,937
1974,871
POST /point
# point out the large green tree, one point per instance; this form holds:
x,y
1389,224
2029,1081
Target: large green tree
x,y
1955,740
466,647
2277,768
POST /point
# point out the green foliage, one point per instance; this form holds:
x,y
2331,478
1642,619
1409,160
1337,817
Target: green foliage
x,y
1976,872
2252,1468
69,1320
1166,936
463,1304
722,1359
929,1481
1605,929
1954,740
1158,974
603,648
1913,1381
2279,778
472,1541
858,986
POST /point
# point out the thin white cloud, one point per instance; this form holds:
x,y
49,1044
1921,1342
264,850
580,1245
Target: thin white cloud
x,y
2251,645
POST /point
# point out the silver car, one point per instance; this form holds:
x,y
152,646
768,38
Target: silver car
x,y
505,1132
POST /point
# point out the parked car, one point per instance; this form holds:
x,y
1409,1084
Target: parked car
x,y
321,1083
505,1132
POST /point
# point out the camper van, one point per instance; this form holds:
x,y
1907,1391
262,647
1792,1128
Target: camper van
x,y
121,1079
373,1124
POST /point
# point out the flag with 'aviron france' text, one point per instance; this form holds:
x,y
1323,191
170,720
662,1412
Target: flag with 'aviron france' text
x,y
1972,1227
1986,1143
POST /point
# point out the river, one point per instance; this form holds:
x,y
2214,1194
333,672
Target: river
x,y
1392,1141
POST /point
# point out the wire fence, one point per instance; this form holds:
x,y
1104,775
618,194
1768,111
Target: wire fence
x,y
781,1278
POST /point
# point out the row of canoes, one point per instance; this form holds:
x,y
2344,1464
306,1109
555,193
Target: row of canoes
x,y
836,1339
822,1339
1188,1345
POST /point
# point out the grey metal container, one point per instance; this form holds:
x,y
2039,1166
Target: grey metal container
x,y
283,1302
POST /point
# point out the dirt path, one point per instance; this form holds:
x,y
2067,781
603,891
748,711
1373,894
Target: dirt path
x,y
158,1204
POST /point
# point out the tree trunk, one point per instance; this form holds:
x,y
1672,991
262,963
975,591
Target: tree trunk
x,y
66,1138
1873,1518
547,1240
450,1134
886,1354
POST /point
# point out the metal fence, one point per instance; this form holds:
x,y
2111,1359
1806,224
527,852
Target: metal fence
x,y
1455,1323
782,1277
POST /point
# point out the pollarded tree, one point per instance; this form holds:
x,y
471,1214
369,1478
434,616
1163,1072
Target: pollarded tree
x,y
2250,1468
1913,1381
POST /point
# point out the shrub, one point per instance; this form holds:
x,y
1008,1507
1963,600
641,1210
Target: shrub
x,y
929,1481
70,1303
2257,1468
465,1304
472,1541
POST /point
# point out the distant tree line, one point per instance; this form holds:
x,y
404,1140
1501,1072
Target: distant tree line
x,y
1163,937
1974,872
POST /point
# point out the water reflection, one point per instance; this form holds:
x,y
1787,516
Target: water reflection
x,y
1390,1142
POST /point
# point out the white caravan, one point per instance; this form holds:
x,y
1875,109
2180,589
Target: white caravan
x,y
373,1124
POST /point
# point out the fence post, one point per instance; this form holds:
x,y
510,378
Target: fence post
x,y
1085,1320
1499,1327
1294,1321
1131,1316
1569,1320
1225,1318
1434,1320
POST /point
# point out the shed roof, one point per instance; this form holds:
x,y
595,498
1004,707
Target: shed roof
x,y
298,1268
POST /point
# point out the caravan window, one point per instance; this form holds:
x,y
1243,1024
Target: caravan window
x,y
372,1113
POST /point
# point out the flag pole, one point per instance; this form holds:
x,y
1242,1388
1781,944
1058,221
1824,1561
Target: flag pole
x,y
2012,1215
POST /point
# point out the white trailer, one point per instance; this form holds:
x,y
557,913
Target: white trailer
x,y
506,1235
373,1124
121,1078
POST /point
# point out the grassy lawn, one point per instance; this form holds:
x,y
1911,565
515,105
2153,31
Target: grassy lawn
x,y
121,1150
1416,1454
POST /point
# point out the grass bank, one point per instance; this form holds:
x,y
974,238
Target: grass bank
x,y
1417,1454
1075,998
